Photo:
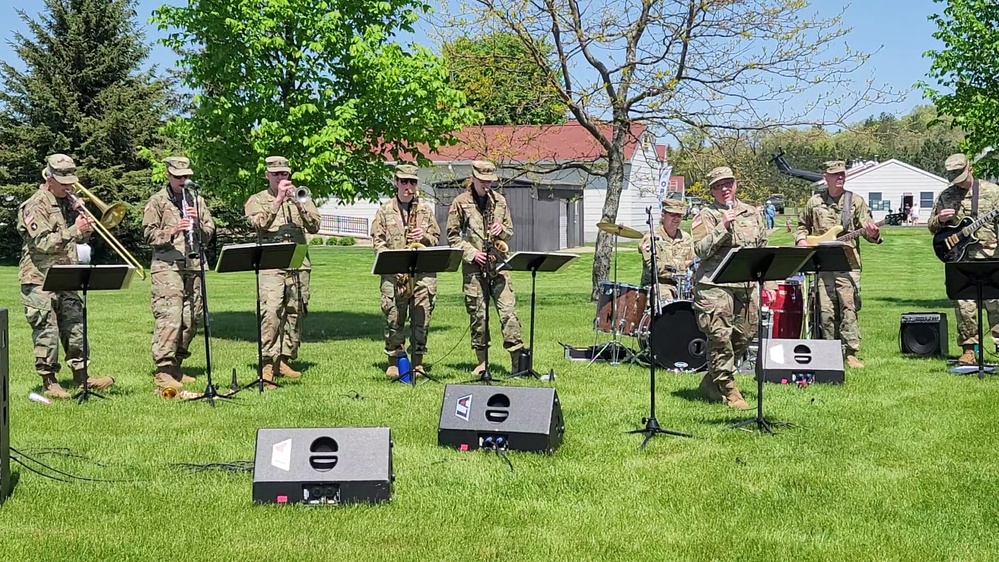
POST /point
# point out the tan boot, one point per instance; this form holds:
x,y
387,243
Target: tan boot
x,y
392,371
95,383
733,398
515,361
268,374
710,390
853,363
52,388
417,365
285,370
184,379
165,378
968,357
480,354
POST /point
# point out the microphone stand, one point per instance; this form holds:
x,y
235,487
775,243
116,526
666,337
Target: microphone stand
x,y
211,391
652,427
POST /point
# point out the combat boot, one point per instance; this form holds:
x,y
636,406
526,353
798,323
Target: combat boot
x,y
268,375
184,379
417,365
732,397
515,361
285,370
853,362
98,383
165,378
392,371
52,388
479,369
710,390
968,357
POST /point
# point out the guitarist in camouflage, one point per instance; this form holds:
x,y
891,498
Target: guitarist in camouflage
x,y
952,205
838,293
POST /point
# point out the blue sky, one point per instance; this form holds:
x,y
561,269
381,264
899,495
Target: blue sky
x,y
897,29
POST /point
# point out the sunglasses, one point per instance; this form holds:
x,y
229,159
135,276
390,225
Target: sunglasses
x,y
279,174
408,181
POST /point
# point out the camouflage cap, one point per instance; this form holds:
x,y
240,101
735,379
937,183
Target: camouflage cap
x,y
674,206
957,168
835,167
277,164
407,171
62,168
718,174
178,166
484,170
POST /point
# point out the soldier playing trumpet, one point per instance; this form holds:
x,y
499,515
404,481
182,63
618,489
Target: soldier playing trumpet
x,y
51,226
169,222
406,222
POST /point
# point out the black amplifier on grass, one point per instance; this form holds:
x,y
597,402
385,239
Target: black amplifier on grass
x,y
526,418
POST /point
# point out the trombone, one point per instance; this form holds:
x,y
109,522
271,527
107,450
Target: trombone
x,y
111,215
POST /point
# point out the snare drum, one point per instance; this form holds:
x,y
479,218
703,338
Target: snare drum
x,y
620,307
787,310
677,338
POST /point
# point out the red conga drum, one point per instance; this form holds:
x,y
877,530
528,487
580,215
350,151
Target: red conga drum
x,y
787,311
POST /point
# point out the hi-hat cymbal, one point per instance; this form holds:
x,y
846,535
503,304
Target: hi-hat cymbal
x,y
619,230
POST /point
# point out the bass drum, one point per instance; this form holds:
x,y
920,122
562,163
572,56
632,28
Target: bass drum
x,y
677,338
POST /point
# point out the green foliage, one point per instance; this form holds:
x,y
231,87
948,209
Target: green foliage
x,y
318,81
332,241
502,81
346,241
317,241
966,70
83,93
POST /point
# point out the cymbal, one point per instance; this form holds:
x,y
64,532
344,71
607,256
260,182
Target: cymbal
x,y
619,230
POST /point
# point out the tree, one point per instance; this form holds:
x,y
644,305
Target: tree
x,y
967,72
712,65
83,91
502,81
319,81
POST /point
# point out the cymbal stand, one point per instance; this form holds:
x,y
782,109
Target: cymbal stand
x,y
615,344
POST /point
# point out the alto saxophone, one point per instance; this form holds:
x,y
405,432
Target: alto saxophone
x,y
405,285
498,249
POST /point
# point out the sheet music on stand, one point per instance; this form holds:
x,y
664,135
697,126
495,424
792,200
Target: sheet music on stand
x,y
273,255
88,277
435,259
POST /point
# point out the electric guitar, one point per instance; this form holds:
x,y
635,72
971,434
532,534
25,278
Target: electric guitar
x,y
831,235
951,243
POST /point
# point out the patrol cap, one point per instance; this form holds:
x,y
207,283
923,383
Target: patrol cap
x,y
957,168
484,170
178,166
674,206
835,167
277,164
62,168
407,171
718,174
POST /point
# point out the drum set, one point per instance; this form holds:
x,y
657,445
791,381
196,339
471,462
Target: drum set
x,y
679,345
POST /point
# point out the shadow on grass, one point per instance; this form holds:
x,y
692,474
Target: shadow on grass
x,y
915,305
316,327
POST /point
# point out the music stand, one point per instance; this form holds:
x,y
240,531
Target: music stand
x,y
979,280
758,265
414,261
534,262
829,257
256,257
86,278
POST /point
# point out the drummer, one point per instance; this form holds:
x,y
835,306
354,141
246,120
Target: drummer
x,y
674,252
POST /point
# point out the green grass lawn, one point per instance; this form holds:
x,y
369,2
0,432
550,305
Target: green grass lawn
x,y
897,464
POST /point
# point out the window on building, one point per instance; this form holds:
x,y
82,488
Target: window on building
x,y
876,203
925,199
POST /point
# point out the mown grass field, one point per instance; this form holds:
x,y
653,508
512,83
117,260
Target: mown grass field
x,y
897,464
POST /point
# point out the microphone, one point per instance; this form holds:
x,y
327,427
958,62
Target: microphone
x,y
729,203
189,184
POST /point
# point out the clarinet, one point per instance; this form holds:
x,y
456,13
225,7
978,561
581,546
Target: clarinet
x,y
192,252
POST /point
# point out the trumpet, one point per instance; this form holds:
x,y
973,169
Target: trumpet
x,y
192,252
111,215
303,194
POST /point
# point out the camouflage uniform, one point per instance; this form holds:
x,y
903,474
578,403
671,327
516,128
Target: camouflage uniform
x,y
466,227
729,313
284,293
388,232
838,293
957,198
671,252
176,279
45,223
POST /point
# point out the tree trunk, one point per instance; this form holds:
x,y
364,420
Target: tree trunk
x,y
605,242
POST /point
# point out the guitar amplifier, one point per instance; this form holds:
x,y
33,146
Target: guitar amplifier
x,y
923,334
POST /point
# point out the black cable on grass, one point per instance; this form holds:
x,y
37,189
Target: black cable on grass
x,y
56,470
228,466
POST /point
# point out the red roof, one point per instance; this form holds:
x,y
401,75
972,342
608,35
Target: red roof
x,y
675,183
533,143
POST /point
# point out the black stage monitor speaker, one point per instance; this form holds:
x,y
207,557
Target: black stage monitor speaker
x,y
923,333
321,466
803,361
5,478
520,418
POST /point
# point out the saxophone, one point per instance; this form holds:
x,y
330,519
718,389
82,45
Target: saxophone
x,y
498,249
405,285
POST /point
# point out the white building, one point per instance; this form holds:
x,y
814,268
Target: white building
x,y
892,185
530,156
